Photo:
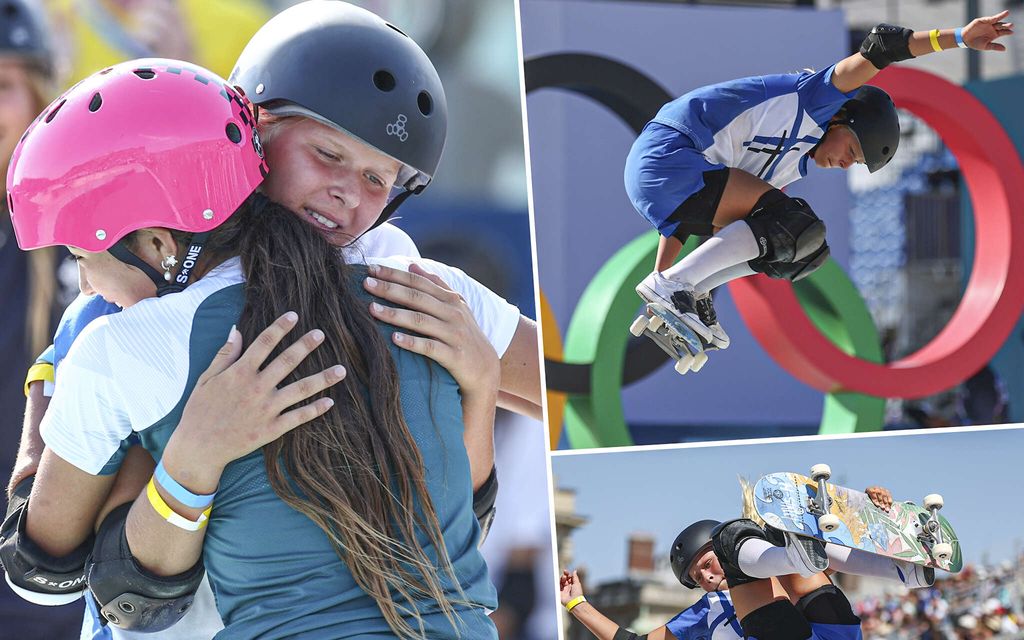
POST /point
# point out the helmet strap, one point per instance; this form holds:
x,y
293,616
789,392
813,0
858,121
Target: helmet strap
x,y
392,206
186,259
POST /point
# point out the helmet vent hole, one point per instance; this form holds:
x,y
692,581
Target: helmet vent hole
x,y
106,71
50,116
383,80
96,102
10,10
233,132
145,74
396,29
885,151
10,203
425,103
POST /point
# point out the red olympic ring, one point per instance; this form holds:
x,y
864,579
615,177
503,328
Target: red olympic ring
x,y
994,297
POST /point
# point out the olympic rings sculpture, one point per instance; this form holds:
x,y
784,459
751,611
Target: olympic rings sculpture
x,y
838,350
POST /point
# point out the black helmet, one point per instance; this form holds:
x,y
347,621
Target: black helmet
x,y
348,68
25,33
689,541
872,116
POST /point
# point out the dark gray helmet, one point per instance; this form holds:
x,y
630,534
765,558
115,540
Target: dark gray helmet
x,y
24,33
871,114
348,68
689,541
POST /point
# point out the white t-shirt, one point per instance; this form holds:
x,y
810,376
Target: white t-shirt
x,y
385,240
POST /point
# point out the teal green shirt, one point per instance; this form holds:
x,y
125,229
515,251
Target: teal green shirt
x,y
273,572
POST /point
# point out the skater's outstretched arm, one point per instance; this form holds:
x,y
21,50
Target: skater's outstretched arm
x,y
888,44
594,620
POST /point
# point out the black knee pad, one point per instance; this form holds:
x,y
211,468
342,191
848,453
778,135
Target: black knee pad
x,y
827,605
786,229
779,620
796,270
726,539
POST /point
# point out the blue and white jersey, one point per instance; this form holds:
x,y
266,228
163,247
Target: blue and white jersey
x,y
711,618
764,125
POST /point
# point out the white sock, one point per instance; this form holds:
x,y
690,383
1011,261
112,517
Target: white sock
x,y
761,559
715,280
732,245
861,563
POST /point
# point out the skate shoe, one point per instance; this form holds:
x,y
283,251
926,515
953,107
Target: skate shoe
x,y
914,576
805,553
676,297
705,308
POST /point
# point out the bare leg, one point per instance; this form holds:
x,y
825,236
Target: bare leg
x,y
798,586
668,251
742,192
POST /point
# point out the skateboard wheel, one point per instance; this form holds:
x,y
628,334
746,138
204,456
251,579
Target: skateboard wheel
x,y
683,365
821,472
943,551
639,325
655,323
933,500
699,360
829,522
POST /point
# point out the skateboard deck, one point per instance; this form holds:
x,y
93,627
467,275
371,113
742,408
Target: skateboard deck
x,y
676,339
783,501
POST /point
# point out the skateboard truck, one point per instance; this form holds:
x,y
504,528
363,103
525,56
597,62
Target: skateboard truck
x,y
932,534
820,505
687,351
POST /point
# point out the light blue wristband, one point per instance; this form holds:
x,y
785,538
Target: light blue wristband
x,y
959,35
180,493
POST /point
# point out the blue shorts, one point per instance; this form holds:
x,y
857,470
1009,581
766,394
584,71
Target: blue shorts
x,y
835,631
664,169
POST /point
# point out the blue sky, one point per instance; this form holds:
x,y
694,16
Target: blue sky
x,y
660,491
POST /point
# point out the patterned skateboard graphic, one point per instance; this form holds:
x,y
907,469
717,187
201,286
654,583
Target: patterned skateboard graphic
x,y
683,333
781,499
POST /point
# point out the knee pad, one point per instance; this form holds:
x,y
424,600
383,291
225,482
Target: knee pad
x,y
726,539
131,597
796,270
827,605
32,573
786,229
779,620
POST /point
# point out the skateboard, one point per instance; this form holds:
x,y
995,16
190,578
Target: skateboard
x,y
908,532
676,339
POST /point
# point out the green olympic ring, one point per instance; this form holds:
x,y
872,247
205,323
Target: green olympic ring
x,y
597,336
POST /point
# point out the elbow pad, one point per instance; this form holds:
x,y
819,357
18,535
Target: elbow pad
x,y
130,596
32,573
886,44
622,634
483,503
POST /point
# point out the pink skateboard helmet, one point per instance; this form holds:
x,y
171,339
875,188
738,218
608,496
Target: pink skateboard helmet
x,y
145,143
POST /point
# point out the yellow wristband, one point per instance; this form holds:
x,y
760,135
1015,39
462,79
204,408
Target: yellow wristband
x,y
169,515
39,371
933,35
572,604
